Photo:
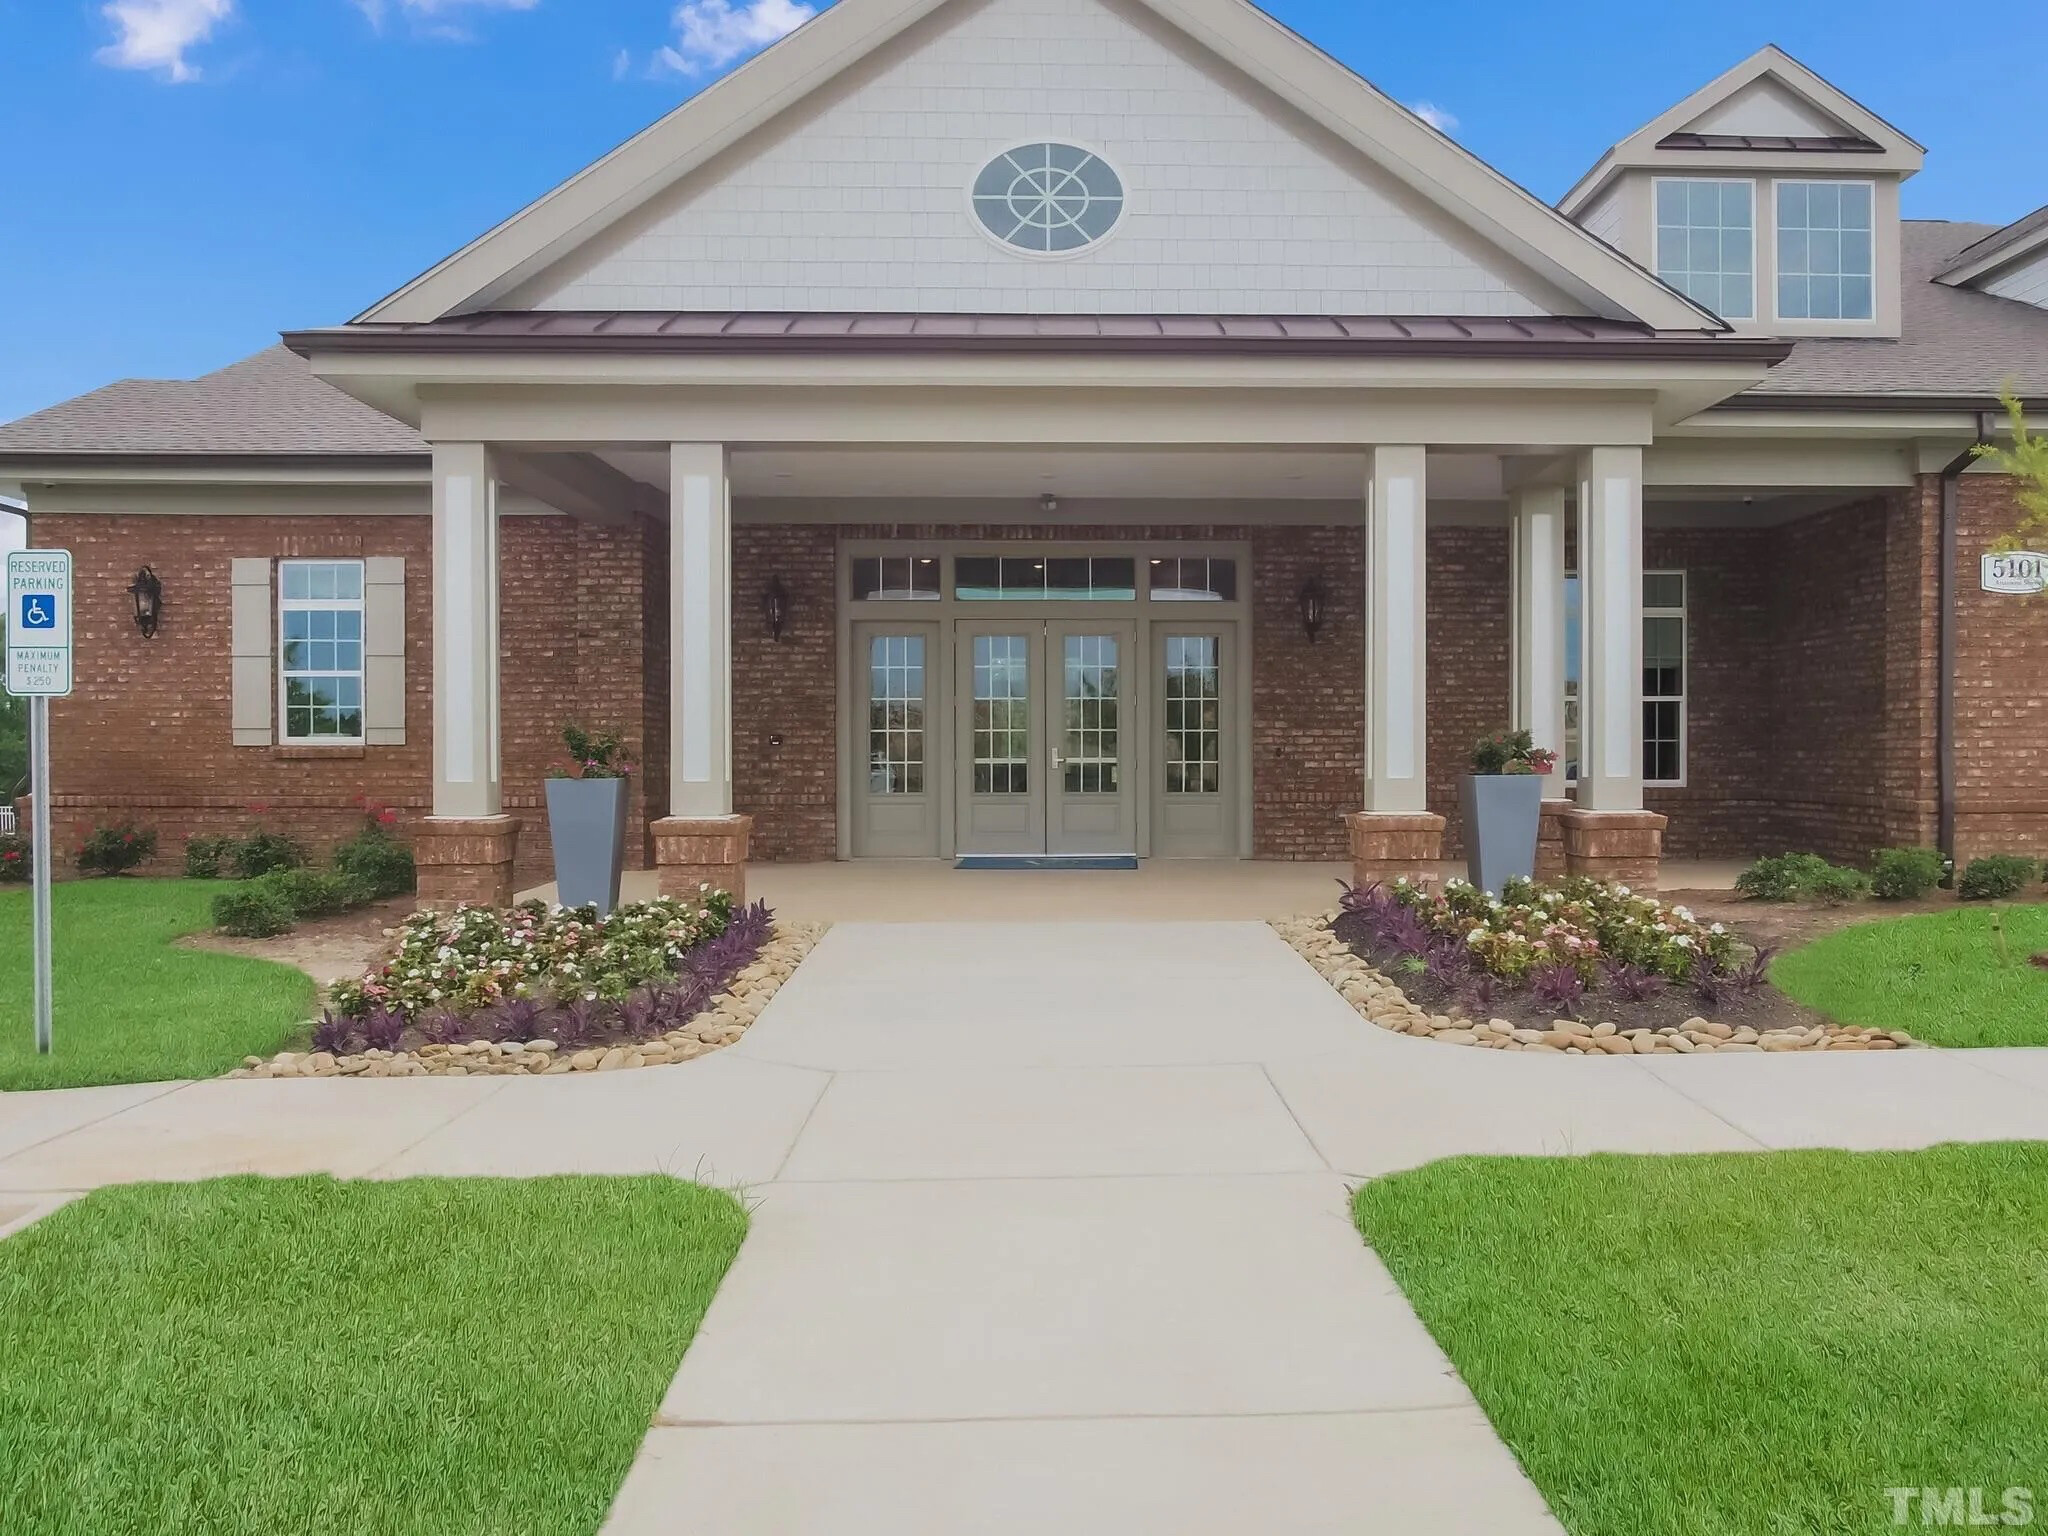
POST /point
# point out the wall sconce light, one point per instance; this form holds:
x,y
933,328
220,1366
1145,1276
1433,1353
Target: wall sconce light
x,y
775,607
1048,503
148,593
1313,602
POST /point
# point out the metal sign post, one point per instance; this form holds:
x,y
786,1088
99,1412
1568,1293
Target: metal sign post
x,y
39,669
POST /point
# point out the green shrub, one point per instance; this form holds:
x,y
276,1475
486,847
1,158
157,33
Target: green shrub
x,y
116,850
17,859
1836,886
262,853
1996,876
313,892
207,858
1905,874
1786,877
380,861
251,911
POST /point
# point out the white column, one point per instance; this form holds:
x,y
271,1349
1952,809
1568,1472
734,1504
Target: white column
x,y
1538,514
700,631
467,771
1611,599
1396,633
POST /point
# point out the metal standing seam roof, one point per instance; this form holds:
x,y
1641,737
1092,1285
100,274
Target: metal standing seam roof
x,y
697,332
1958,344
1818,143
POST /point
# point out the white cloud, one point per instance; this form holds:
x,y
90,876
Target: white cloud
x,y
710,34
1437,117
437,17
155,34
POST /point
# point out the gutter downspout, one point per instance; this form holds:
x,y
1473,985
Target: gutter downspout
x,y
1945,647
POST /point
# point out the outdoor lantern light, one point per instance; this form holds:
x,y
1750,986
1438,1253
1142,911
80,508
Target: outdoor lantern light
x,y
1312,600
775,607
148,593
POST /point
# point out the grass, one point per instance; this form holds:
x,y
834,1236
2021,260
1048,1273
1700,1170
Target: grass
x,y
428,1356
131,1006
1945,976
1743,1345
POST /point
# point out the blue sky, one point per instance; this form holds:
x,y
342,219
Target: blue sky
x,y
181,179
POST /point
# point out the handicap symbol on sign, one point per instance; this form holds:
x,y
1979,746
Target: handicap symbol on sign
x,y
38,611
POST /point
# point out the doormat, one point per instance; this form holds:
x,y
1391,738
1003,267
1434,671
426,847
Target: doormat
x,y
1047,861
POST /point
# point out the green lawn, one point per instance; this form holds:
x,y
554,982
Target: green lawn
x,y
1944,976
1741,1345
429,1356
132,1006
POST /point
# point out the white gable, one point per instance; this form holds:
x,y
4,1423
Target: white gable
x,y
861,202
1765,107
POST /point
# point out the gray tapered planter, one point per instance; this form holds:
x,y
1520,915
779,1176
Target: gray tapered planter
x,y
1503,816
587,826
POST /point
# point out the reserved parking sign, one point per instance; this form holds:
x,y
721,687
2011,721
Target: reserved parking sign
x,y
39,623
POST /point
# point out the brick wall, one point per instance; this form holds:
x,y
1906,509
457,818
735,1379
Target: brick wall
x,y
785,694
2001,688
1308,710
1470,633
1726,803
146,734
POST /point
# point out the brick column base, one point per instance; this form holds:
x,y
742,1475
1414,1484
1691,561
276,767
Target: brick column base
x,y
1385,847
1624,846
1550,840
465,860
691,852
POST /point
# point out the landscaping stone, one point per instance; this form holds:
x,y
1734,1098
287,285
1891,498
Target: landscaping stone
x,y
724,1021
1380,1001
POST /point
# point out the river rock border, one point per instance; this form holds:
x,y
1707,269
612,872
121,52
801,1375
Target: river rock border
x,y
725,1021
1377,999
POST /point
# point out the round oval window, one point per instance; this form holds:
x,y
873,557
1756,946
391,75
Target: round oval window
x,y
1048,198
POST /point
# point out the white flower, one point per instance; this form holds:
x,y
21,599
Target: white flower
x,y
1622,890
1681,913
1683,941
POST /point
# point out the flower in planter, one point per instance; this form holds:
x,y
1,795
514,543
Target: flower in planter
x,y
596,754
1512,752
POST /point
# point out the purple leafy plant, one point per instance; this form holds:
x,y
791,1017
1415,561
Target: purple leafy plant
x,y
444,1026
1406,934
1481,995
1557,990
586,1019
640,1014
334,1033
1448,964
1631,983
383,1029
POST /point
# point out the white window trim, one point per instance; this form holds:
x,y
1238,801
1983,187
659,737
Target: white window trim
x,y
322,605
1657,232
1684,696
1824,322
1087,147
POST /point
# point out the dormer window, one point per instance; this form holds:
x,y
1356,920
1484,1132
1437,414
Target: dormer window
x,y
1706,243
1825,258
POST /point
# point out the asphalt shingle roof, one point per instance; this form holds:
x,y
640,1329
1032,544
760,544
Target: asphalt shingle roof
x,y
266,404
1956,341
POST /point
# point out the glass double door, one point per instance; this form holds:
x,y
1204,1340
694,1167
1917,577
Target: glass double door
x,y
1046,730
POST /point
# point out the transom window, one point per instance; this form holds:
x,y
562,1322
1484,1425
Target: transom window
x,y
1048,198
320,649
1045,578
1706,243
1824,250
896,579
1193,580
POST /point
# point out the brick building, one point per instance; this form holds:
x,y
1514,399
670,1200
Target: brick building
x,y
1175,448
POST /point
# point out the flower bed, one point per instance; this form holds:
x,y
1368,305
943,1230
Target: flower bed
x,y
539,989
1561,967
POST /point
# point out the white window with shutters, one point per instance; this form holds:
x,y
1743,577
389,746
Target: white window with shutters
x,y
319,652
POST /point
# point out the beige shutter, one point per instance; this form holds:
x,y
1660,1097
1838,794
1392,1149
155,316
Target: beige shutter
x,y
384,651
254,680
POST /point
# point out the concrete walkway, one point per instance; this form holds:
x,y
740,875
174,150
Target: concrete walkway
x,y
1051,1227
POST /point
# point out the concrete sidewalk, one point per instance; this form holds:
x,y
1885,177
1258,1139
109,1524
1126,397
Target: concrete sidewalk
x,y
1051,1224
